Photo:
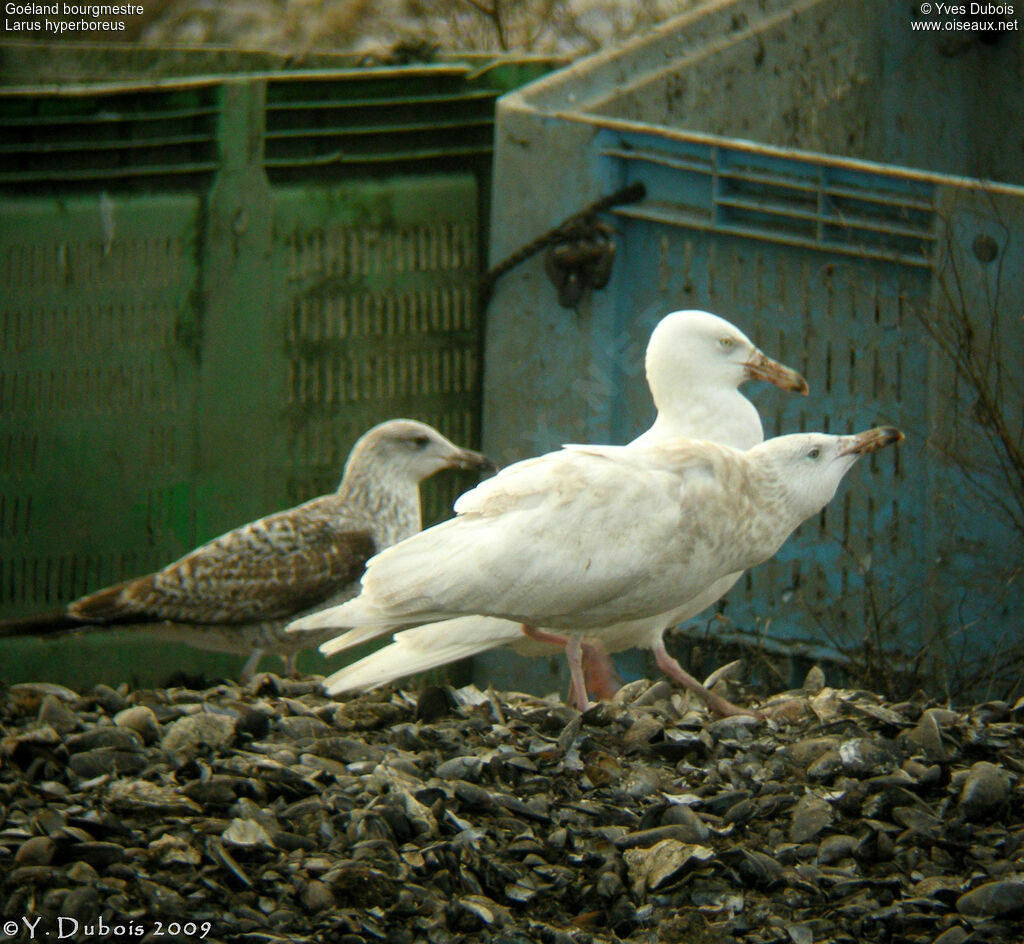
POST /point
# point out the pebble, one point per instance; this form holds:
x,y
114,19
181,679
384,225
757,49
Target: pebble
x,y
810,816
140,719
111,700
463,767
690,827
24,697
641,782
38,850
97,854
993,900
82,904
246,834
651,867
649,837
105,760
55,712
808,751
926,738
866,757
144,796
83,873
317,896
173,850
297,728
985,790
814,681
99,738
213,731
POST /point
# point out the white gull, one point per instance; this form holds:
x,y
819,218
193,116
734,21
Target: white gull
x,y
591,536
695,363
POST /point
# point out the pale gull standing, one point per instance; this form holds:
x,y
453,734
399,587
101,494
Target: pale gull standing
x,y
237,592
695,363
589,537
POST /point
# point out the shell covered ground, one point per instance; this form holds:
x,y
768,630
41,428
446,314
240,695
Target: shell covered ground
x,y
272,813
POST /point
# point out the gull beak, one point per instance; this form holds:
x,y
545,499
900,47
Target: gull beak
x,y
761,367
472,461
870,440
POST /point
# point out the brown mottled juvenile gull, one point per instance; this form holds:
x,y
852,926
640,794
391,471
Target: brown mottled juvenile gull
x,y
237,592
695,364
590,537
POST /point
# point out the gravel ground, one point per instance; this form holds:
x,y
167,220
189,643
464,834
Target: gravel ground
x,y
271,813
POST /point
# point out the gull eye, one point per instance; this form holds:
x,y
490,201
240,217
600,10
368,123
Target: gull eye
x,y
813,452
420,442
726,343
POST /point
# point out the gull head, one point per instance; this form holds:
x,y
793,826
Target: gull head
x,y
692,347
810,466
412,451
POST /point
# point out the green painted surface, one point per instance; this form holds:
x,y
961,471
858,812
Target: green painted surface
x,y
210,289
98,392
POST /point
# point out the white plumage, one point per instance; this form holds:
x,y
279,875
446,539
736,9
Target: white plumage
x,y
591,536
695,364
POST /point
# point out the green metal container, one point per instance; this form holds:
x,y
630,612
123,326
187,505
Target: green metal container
x,y
217,272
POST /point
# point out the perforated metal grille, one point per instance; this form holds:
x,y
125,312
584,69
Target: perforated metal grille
x,y
846,323
371,121
96,392
173,367
379,319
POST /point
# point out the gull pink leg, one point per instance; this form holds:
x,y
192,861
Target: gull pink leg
x,y
715,703
578,690
574,653
542,635
249,669
599,672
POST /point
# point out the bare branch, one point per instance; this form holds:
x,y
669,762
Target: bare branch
x,y
494,14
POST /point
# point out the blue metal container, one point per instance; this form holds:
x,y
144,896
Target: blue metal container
x,y
813,173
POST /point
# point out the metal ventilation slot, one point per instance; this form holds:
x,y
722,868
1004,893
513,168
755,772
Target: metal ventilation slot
x,y
761,201
863,212
124,136
878,219
770,196
374,124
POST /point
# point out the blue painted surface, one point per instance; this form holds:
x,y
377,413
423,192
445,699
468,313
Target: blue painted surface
x,y
835,315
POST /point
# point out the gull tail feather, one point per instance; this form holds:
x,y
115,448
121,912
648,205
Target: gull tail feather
x,y
354,637
44,624
423,648
354,612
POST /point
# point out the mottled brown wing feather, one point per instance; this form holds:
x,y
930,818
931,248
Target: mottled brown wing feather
x,y
268,570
